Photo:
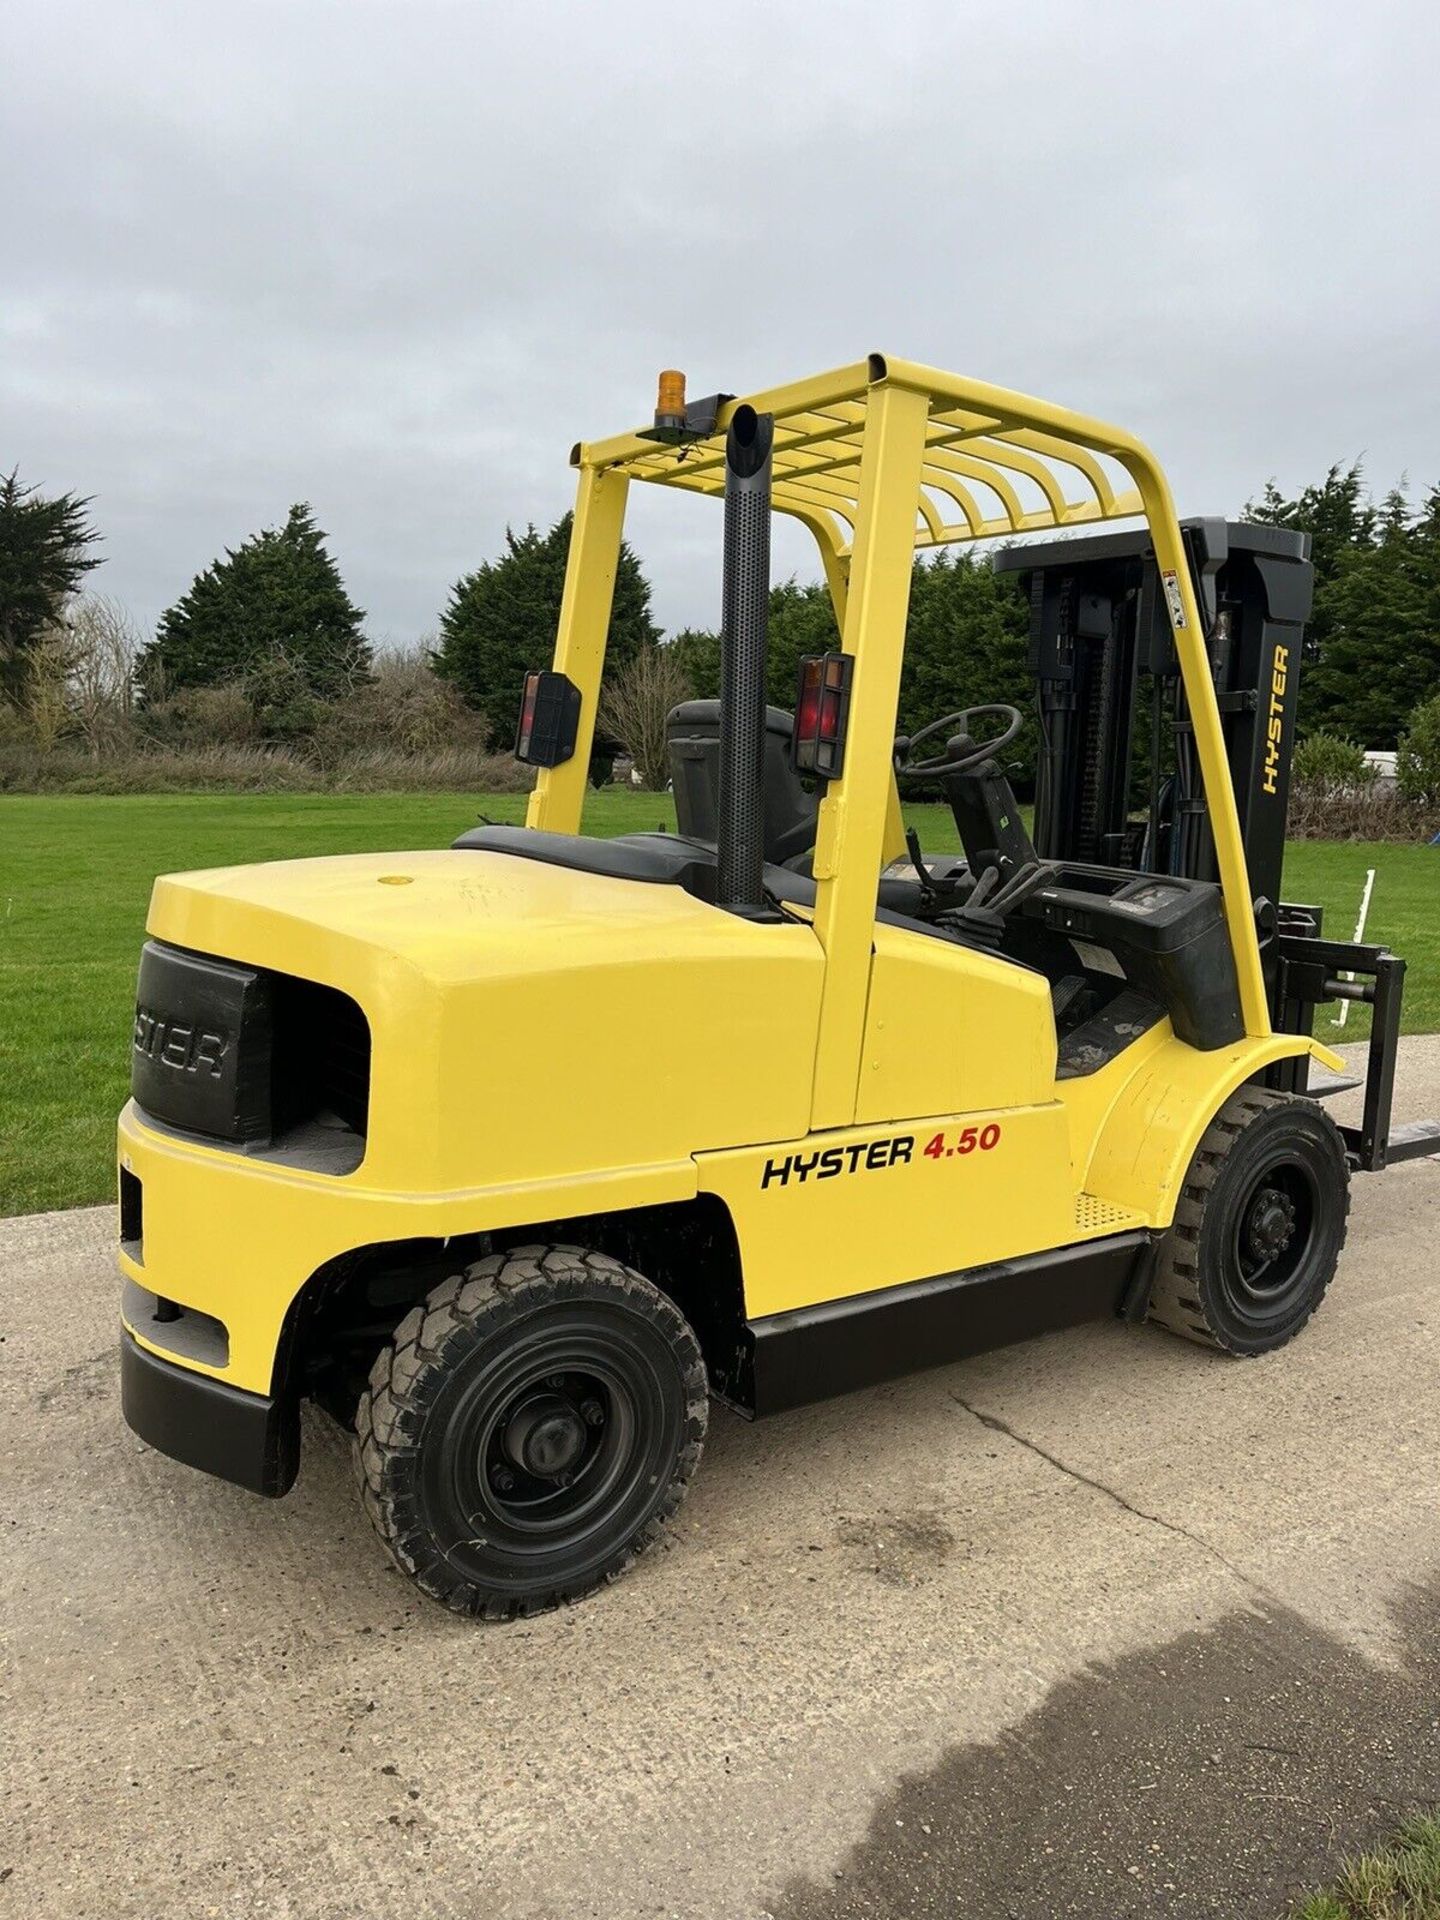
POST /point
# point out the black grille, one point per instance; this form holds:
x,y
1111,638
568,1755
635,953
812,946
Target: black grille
x,y
202,1043
238,1053
321,1062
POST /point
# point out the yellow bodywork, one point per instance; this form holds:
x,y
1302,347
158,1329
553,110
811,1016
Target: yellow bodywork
x,y
549,1044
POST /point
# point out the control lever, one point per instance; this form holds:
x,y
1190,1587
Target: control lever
x,y
928,895
983,915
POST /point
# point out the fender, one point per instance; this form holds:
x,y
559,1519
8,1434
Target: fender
x,y
1155,1123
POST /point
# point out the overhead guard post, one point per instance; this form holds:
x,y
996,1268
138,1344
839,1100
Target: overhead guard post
x,y
594,559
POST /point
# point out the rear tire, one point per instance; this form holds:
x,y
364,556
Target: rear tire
x,y
1258,1228
529,1429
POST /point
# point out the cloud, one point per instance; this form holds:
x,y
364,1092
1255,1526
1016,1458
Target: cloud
x,y
395,258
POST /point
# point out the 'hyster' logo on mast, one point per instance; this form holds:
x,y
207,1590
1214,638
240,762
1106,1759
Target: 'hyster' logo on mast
x,y
1275,729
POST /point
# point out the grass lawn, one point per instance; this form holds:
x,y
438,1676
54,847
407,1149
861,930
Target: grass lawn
x,y
1401,1882
75,874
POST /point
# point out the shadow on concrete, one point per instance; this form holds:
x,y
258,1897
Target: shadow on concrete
x,y
1223,1773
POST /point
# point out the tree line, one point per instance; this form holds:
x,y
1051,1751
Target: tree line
x,y
266,644
1372,643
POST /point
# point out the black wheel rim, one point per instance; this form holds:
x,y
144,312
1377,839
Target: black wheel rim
x,y
552,1446
1272,1241
548,1453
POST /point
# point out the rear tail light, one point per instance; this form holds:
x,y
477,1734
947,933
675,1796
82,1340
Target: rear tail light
x,y
822,712
549,720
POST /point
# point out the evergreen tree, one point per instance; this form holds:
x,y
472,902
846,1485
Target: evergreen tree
x,y
1372,643
500,622
1336,514
697,650
1341,522
1424,664
802,620
1381,652
43,560
965,642
278,597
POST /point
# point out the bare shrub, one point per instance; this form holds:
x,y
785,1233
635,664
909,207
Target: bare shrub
x,y
47,688
1319,811
252,768
13,729
634,705
436,769
405,705
194,718
286,707
178,770
104,643
22,765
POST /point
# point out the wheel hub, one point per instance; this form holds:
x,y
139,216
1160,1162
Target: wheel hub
x,y
545,1436
1271,1225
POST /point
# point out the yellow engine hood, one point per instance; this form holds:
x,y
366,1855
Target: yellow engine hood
x,y
529,1021
450,915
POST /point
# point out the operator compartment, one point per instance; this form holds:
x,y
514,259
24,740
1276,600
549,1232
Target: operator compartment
x,y
1162,939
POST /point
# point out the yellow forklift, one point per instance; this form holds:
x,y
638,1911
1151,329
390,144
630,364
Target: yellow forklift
x,y
514,1155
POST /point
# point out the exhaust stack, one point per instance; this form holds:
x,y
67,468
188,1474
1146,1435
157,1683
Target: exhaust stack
x,y
744,637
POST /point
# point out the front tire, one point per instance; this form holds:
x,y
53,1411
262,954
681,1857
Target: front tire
x,y
1258,1228
529,1429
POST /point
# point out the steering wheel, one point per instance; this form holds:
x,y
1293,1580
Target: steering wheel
x,y
953,723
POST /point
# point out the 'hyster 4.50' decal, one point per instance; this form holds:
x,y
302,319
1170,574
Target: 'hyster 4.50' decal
x,y
874,1156
862,1156
968,1140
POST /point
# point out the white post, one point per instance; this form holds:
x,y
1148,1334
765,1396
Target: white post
x,y
1339,1020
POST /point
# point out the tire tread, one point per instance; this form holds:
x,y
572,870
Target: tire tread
x,y
1176,1296
409,1370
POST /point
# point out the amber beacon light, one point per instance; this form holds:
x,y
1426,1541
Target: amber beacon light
x,y
670,401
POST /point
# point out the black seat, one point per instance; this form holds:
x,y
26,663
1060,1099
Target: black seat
x,y
988,820
692,732
665,859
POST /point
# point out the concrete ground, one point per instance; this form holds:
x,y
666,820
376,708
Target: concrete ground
x,y
1101,1625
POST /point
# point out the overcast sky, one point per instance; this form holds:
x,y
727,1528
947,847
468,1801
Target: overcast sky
x,y
395,258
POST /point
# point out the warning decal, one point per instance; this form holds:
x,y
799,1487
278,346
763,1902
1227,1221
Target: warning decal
x,y
1172,595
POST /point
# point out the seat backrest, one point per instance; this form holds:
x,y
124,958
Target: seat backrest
x,y
991,827
692,732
